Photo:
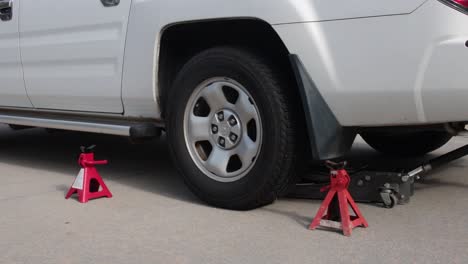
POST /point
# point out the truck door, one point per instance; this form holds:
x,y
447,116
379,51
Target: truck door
x,y
12,90
72,53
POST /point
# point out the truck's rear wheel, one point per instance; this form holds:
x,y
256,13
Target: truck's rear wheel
x,y
406,144
18,127
231,129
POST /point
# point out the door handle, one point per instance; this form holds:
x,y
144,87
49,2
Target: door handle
x,y
6,10
109,3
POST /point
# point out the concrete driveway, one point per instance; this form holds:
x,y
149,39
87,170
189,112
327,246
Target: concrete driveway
x,y
153,218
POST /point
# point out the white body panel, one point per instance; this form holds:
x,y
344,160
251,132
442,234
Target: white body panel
x,y
391,70
145,31
12,90
72,53
277,12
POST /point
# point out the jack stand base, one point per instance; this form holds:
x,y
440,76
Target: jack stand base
x,y
339,187
88,182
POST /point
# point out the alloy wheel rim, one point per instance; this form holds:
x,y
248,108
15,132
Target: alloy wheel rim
x,y
222,129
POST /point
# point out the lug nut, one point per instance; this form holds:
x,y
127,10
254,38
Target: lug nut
x,y
233,137
232,121
222,141
221,116
214,129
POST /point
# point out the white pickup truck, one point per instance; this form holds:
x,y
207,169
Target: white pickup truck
x,y
245,90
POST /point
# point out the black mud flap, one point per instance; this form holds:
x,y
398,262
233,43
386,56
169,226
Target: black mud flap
x,y
328,138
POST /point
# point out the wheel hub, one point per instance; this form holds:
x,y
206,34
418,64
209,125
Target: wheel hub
x,y
226,129
222,129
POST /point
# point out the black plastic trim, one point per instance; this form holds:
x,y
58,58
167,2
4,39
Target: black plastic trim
x,y
328,138
110,3
454,6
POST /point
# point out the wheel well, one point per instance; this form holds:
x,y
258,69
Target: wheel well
x,y
180,42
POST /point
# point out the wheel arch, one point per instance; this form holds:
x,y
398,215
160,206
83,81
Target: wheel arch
x,y
246,32
325,135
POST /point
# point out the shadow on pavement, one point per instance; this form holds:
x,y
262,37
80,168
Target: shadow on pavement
x,y
145,166
148,166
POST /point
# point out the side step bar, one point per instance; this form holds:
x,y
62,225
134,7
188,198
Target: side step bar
x,y
117,127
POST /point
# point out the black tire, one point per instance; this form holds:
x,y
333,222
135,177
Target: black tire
x,y
275,162
19,127
408,144
393,202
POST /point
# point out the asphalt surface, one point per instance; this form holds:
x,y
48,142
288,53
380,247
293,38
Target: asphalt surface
x,y
153,218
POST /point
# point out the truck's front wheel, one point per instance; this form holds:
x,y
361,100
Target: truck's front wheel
x,y
231,129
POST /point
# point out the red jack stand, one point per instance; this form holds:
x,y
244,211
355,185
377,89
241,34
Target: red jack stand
x,y
339,186
88,181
